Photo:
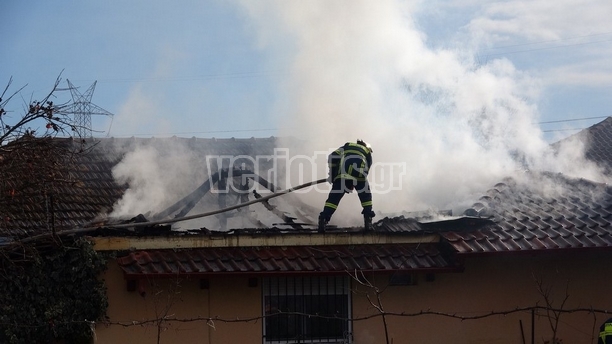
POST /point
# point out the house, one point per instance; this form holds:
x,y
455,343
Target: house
x,y
540,257
524,264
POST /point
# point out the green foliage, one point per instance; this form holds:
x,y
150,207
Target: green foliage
x,y
53,296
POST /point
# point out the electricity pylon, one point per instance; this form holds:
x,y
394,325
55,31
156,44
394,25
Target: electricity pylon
x,y
82,108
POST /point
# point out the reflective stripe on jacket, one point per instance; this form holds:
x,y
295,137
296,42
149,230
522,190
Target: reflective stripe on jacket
x,y
606,334
351,161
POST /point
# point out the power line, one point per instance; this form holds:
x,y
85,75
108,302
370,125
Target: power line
x,y
553,130
572,120
200,132
549,41
568,120
276,129
239,75
547,48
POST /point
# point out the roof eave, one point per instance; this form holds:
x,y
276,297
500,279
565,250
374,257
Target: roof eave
x,y
129,276
236,240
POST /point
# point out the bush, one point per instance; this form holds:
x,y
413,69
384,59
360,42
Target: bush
x,y
51,296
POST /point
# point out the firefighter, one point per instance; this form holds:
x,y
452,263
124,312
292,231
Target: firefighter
x,y
605,336
348,170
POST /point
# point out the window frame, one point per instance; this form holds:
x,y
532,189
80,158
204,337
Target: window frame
x,y
299,288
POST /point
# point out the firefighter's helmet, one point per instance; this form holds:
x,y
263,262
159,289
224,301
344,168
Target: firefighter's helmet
x,y
365,144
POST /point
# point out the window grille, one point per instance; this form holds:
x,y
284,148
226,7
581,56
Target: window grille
x,y
307,310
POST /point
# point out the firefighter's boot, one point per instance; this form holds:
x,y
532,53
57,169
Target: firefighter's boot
x,y
367,223
322,223
367,219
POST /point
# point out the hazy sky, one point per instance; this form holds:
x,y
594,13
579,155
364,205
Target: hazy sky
x,y
452,91
228,68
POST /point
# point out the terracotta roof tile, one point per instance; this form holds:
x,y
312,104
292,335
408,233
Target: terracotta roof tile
x,y
598,141
301,259
73,204
529,217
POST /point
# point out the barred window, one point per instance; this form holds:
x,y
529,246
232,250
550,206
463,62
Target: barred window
x,y
307,309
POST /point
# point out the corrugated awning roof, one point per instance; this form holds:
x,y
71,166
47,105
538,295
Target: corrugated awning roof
x,y
300,259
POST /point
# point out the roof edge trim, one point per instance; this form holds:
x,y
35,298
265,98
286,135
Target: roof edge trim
x,y
187,242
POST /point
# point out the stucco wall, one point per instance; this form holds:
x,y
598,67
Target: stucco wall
x,y
494,284
227,298
488,284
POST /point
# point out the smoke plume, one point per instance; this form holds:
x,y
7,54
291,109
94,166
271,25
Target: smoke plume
x,y
362,69
444,127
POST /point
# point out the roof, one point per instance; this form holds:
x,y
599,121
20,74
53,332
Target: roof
x,y
598,142
87,189
538,213
91,189
543,212
298,259
535,212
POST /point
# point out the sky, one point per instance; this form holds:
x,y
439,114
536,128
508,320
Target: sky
x,y
203,68
454,91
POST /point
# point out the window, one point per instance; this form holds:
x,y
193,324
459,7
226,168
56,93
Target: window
x,y
306,309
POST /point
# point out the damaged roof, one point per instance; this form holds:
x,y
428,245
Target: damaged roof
x,y
539,212
91,189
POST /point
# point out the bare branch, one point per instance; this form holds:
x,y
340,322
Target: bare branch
x,y
212,319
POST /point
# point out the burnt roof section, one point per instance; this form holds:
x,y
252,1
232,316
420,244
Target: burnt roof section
x,y
300,259
403,224
511,217
546,211
92,190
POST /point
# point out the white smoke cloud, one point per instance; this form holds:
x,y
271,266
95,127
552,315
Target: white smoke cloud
x,y
158,173
365,69
362,69
141,113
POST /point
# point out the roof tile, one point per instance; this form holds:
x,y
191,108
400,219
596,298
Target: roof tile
x,y
95,190
574,215
296,259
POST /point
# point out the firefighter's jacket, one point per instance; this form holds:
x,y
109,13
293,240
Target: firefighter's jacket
x,y
351,161
605,336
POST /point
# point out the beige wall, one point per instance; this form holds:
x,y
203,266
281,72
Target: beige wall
x,y
227,298
488,284
494,284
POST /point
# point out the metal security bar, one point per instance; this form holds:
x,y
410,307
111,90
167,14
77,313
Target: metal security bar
x,y
307,310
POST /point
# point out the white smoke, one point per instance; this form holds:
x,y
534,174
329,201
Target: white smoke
x,y
362,69
158,173
365,69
